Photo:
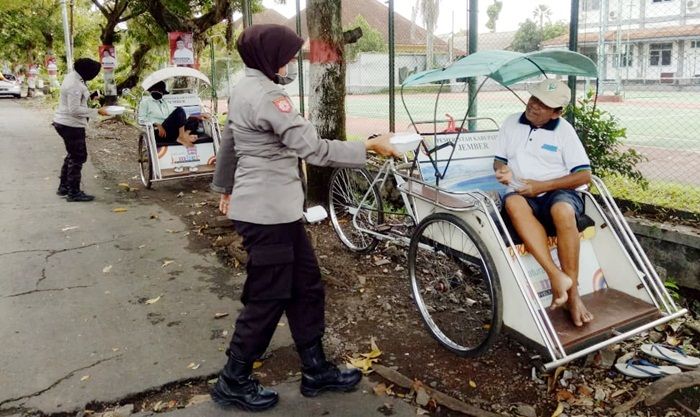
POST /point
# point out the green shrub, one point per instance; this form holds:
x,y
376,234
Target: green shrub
x,y
602,138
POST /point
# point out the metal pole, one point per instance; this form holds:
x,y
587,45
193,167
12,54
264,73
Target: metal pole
x,y
300,62
214,96
471,81
573,46
392,87
67,37
247,16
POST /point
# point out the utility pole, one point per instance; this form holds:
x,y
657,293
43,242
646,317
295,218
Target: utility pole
x,y
471,81
392,82
67,37
573,46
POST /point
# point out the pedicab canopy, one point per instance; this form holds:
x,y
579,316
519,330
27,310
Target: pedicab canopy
x,y
507,67
172,72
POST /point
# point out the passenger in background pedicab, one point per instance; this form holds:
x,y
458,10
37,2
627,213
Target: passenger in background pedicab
x,y
542,161
258,169
171,124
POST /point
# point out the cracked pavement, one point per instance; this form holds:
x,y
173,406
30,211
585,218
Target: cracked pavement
x,y
73,329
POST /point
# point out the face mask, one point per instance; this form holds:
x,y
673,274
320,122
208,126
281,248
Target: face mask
x,y
157,95
291,74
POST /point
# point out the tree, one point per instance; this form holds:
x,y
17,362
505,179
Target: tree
x,y
429,11
371,40
527,38
327,89
493,11
540,13
114,12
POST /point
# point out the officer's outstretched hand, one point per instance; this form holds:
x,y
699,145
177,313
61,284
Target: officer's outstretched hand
x,y
382,145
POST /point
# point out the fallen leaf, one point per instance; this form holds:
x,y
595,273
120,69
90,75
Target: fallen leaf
x,y
198,399
166,263
363,364
379,389
472,384
180,194
158,406
421,412
618,393
375,353
67,228
559,410
120,209
257,364
220,315
193,366
564,395
553,378
106,269
124,186
153,300
85,377
673,341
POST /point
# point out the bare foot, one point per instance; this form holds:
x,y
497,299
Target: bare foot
x,y
579,313
560,286
186,141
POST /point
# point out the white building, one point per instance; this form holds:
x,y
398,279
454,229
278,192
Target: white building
x,y
640,40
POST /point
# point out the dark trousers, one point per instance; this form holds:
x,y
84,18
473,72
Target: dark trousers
x,y
283,277
74,139
172,125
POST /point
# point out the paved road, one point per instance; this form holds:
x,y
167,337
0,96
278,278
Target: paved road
x,y
76,277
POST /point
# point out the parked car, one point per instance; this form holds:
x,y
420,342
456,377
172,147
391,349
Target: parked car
x,y
10,86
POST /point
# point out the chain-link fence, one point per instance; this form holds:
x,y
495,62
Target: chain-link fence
x,y
647,51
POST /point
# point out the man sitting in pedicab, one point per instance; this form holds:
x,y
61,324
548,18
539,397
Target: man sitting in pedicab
x,y
171,124
542,161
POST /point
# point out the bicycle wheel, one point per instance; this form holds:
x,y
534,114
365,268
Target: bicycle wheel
x,y
455,284
145,165
347,190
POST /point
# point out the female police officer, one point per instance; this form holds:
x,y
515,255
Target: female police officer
x,y
263,180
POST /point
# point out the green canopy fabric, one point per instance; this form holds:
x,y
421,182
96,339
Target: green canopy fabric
x,y
507,67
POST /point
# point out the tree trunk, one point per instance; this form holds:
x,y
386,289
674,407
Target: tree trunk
x,y
327,86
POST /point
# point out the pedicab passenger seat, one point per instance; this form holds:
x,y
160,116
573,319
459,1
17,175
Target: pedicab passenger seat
x,y
583,222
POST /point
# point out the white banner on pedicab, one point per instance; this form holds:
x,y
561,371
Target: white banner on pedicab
x,y
470,166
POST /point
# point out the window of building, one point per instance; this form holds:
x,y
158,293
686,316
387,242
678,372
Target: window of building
x,y
624,57
695,44
591,52
659,1
590,5
660,54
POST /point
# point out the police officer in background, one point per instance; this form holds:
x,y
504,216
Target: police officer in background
x,y
263,180
70,121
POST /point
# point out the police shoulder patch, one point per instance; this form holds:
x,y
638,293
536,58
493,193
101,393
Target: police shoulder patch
x,y
282,104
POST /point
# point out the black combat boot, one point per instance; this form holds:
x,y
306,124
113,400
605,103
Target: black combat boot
x,y
318,375
77,196
237,387
62,190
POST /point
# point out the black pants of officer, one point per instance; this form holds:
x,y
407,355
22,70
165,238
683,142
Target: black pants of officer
x,y
172,125
283,277
74,139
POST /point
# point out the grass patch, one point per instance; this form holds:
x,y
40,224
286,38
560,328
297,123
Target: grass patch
x,y
684,197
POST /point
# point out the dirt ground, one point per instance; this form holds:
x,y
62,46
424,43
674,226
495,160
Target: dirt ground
x,y
367,301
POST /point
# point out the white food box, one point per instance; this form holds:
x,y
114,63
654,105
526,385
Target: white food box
x,y
405,141
114,110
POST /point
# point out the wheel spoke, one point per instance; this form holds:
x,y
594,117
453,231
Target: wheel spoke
x,y
455,297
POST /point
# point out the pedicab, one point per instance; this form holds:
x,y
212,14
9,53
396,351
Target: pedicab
x,y
470,274
172,161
